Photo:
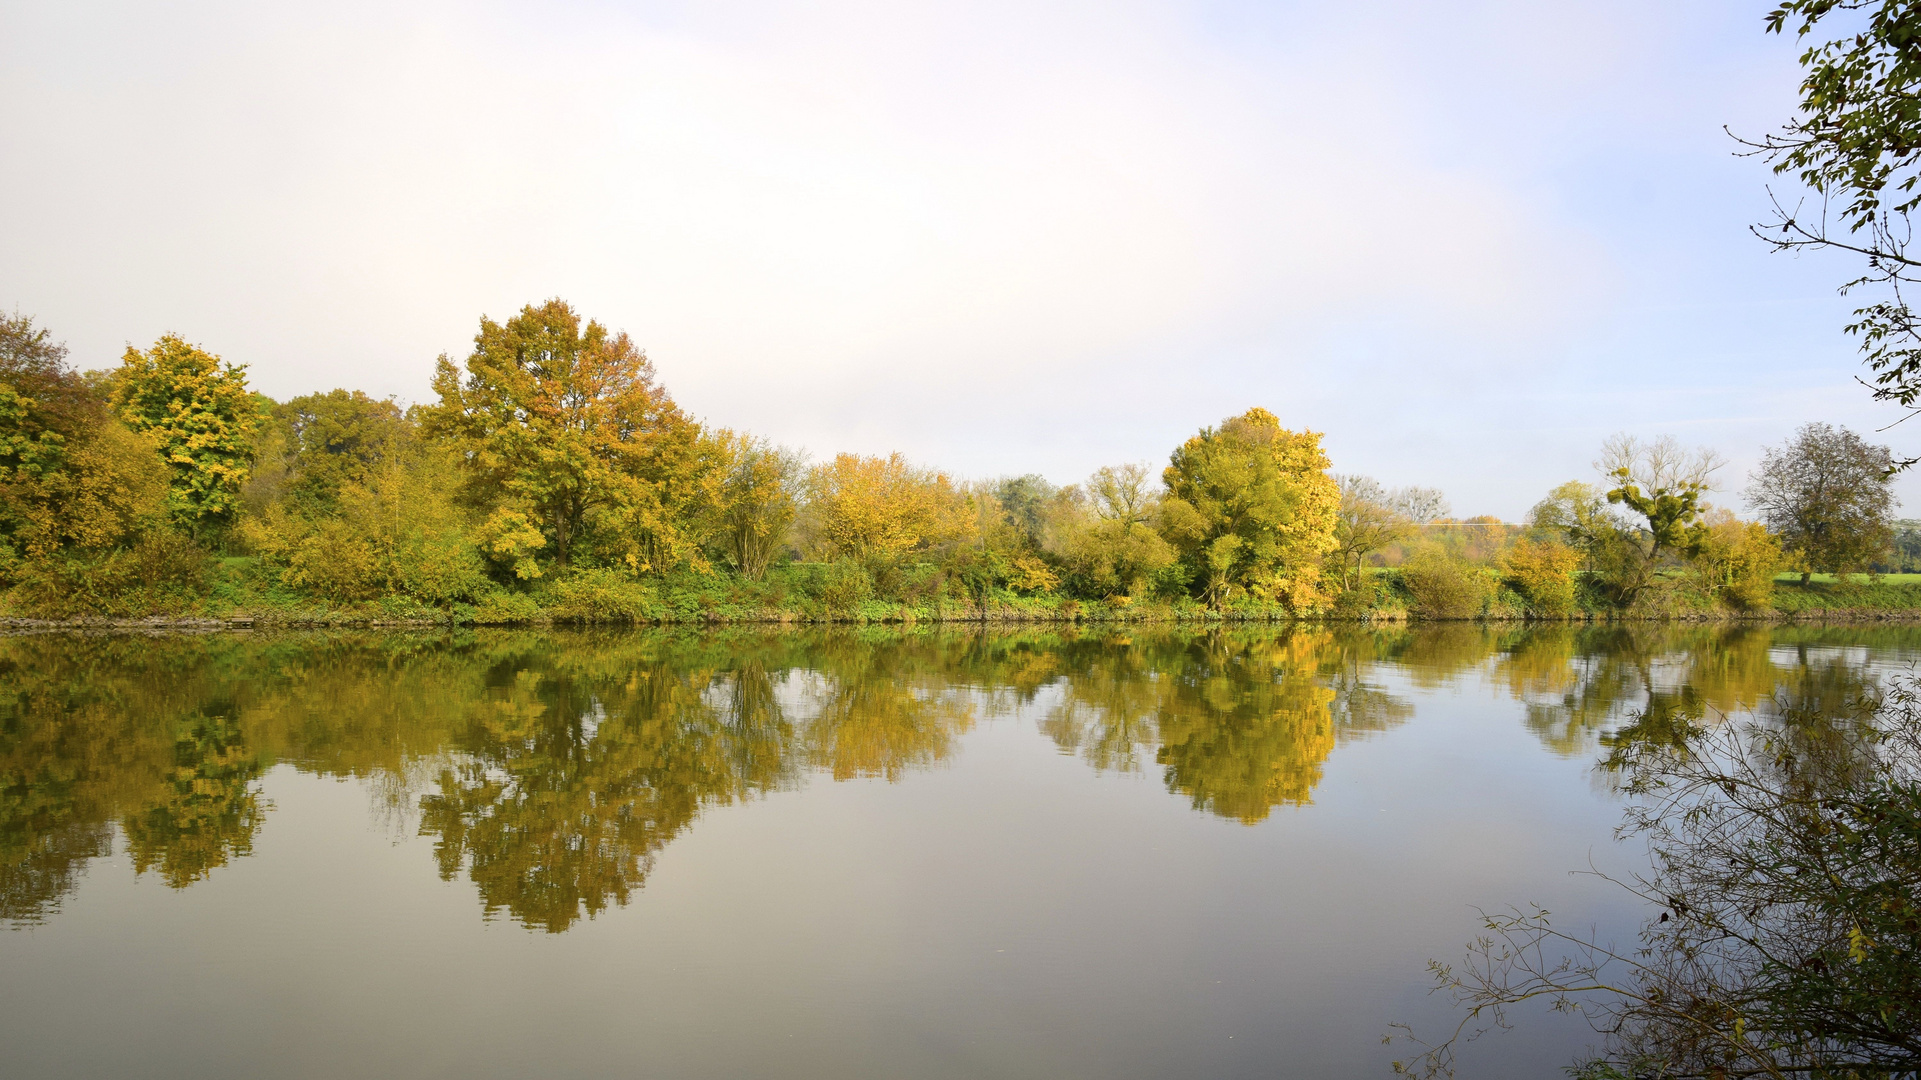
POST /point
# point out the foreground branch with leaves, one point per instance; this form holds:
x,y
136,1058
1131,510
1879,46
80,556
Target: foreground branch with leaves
x,y
1784,889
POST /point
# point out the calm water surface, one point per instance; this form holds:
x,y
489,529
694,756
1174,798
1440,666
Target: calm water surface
x,y
665,854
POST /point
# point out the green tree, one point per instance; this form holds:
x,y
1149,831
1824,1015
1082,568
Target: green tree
x,y
1662,483
1251,509
337,438
1856,144
197,410
570,443
1828,494
1109,547
759,496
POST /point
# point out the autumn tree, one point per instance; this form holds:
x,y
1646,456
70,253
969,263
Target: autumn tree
x,y
1662,484
1371,517
1111,548
570,444
73,479
1739,559
337,438
1827,493
759,495
197,410
1251,509
879,509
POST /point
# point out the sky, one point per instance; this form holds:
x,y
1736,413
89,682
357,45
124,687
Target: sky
x,y
1466,241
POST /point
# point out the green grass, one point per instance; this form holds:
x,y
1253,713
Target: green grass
x,y
1861,579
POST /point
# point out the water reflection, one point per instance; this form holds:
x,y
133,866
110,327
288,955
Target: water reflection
x,y
550,768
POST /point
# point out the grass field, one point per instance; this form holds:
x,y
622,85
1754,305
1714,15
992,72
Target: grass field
x,y
1860,579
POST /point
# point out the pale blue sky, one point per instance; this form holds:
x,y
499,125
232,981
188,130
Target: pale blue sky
x,y
1467,241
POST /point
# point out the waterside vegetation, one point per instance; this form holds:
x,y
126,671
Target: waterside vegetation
x,y
553,478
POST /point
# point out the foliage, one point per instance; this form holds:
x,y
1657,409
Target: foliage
x,y
878,509
1445,588
1740,558
77,489
1854,144
759,496
393,530
1786,873
1250,508
1661,483
1110,547
1543,571
198,411
329,441
1827,493
1369,519
564,428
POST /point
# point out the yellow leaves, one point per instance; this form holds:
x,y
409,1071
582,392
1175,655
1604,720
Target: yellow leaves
x,y
1544,571
883,508
201,417
1858,944
510,537
1252,509
1032,575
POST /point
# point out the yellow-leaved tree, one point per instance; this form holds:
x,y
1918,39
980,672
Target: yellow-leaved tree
x,y
197,410
878,509
1251,509
570,446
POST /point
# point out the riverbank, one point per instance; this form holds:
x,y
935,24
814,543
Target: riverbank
x,y
811,595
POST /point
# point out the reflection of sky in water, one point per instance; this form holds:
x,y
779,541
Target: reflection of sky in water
x,y
813,854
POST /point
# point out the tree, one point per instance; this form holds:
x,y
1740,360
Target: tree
x,y
1543,569
337,438
1856,144
72,478
1784,897
1110,548
1828,494
877,509
1740,559
1251,509
1025,502
1662,483
197,410
1372,517
568,440
760,493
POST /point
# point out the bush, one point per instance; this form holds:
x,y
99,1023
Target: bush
x,y
164,572
501,606
1542,571
1740,559
603,596
845,586
1444,588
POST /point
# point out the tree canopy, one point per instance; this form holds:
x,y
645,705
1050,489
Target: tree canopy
x,y
198,410
1252,509
570,443
1827,494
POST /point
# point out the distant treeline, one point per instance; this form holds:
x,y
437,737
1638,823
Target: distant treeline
x,y
554,477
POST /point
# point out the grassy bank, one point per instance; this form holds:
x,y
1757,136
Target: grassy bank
x,y
243,590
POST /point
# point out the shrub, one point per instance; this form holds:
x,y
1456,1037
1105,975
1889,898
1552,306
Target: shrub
x,y
1542,571
1444,588
164,572
845,585
603,596
1740,559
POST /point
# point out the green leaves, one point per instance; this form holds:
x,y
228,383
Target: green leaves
x,y
198,411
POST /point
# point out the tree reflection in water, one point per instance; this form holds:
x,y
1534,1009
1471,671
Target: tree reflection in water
x,y
550,768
